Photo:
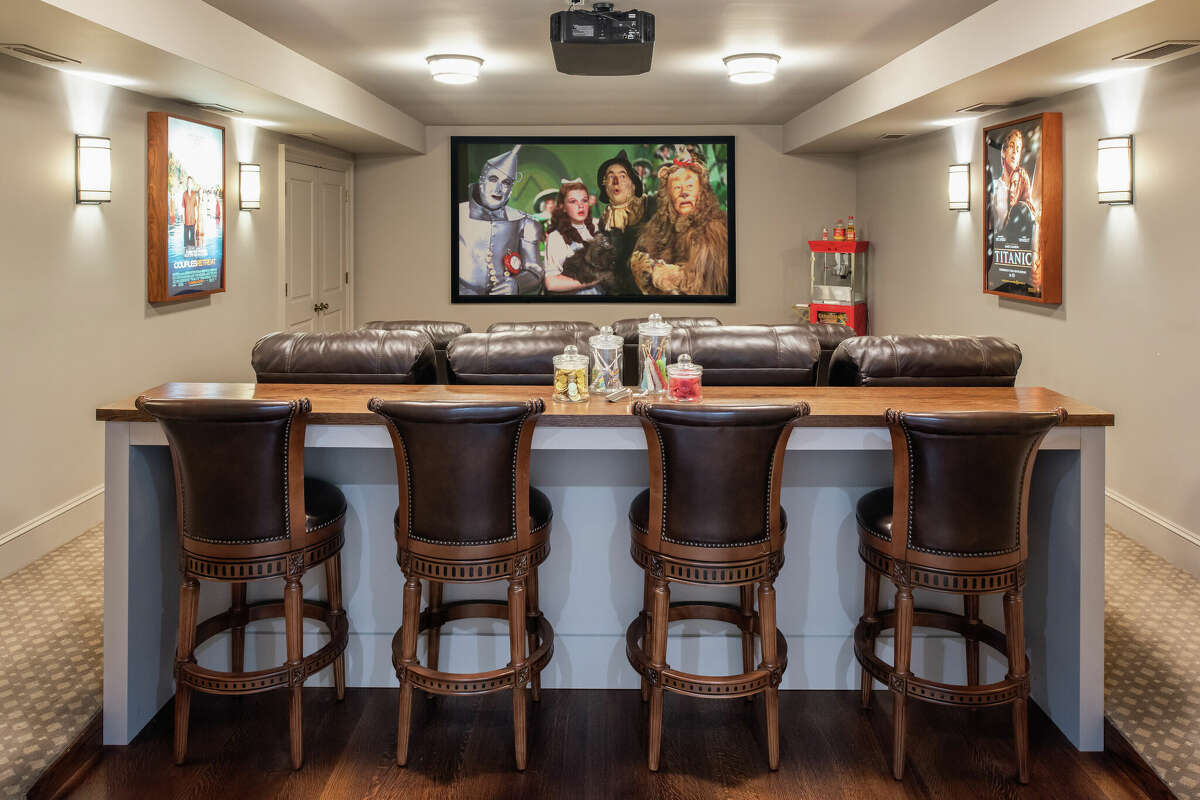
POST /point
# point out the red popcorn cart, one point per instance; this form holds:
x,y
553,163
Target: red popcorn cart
x,y
839,283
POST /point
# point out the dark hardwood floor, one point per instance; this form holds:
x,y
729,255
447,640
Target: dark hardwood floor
x,y
592,744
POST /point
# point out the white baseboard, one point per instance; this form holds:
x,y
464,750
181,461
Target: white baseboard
x,y
1156,533
29,542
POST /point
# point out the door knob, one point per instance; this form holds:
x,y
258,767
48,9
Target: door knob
x,y
320,307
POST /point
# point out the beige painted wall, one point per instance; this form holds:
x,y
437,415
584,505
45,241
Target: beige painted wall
x,y
402,230
76,329
1126,335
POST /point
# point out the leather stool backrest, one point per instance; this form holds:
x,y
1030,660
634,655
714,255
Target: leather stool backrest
x,y
751,355
925,361
440,332
462,468
627,329
829,335
962,482
509,357
715,472
360,356
542,326
239,469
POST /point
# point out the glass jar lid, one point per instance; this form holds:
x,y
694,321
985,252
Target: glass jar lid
x,y
570,358
606,339
684,367
654,326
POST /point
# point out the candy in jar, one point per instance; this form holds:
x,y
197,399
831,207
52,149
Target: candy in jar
x,y
570,375
654,337
606,360
683,380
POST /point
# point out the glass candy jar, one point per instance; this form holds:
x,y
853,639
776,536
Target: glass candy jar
x,y
606,360
654,346
570,375
683,380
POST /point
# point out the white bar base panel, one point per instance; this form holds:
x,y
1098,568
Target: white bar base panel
x,y
590,587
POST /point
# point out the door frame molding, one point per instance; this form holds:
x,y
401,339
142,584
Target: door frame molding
x,y
313,158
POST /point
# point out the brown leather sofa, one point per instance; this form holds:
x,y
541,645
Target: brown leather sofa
x,y
509,357
925,361
751,355
544,325
829,335
360,356
627,329
439,331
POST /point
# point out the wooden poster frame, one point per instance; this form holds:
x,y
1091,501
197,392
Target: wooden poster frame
x,y
157,212
1048,180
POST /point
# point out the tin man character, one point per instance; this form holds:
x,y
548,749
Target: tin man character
x,y
497,245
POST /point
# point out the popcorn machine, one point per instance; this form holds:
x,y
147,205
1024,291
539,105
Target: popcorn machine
x,y
839,283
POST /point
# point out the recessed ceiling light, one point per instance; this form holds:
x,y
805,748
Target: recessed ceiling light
x,y
454,68
751,67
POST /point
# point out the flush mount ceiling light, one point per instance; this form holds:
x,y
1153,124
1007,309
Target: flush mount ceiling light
x,y
454,69
751,67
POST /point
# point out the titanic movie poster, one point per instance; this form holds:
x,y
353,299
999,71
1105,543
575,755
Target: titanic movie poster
x,y
588,219
1022,182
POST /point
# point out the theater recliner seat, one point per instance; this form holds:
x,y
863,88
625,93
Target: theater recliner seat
x,y
439,331
751,355
627,329
509,357
542,326
925,361
830,335
360,356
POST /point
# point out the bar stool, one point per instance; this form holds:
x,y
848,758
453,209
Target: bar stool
x,y
468,515
247,513
711,517
961,502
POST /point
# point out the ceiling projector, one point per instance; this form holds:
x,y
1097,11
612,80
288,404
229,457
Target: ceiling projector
x,y
602,41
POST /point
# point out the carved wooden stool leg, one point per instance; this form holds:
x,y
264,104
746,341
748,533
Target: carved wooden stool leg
x,y
237,610
660,617
409,624
904,631
293,619
333,588
1014,631
532,610
647,637
971,612
766,621
516,644
433,637
870,608
747,603
189,598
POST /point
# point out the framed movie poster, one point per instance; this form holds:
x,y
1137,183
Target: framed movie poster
x,y
1022,209
592,219
185,207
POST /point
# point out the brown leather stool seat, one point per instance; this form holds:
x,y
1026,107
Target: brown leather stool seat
x,y
711,517
955,522
467,514
246,512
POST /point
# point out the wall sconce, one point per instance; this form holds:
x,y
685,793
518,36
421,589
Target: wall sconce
x,y
93,170
249,186
1114,170
959,189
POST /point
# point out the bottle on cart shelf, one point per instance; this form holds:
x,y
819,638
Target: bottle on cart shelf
x,y
850,234
825,233
839,231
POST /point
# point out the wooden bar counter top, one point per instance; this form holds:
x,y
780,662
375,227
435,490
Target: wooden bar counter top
x,y
832,406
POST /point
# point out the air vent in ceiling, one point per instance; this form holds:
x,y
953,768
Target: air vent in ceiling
x,y
1160,50
314,136
983,108
28,52
887,137
216,108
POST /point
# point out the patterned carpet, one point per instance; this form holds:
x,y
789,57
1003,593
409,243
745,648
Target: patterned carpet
x,y
51,654
51,651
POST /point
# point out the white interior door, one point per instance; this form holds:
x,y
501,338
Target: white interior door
x,y
316,271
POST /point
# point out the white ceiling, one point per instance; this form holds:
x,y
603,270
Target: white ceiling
x,y
825,45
